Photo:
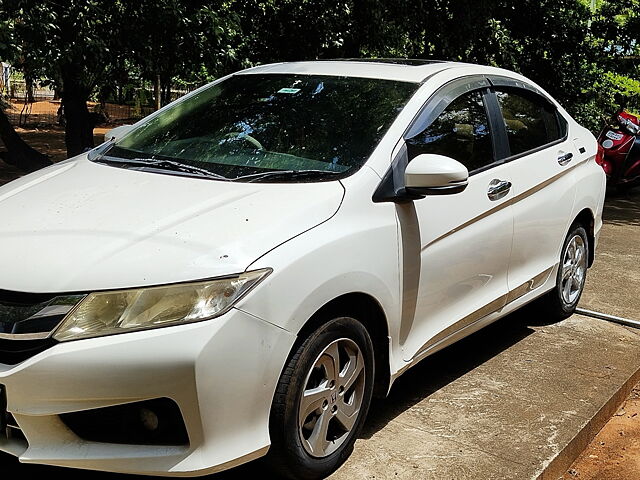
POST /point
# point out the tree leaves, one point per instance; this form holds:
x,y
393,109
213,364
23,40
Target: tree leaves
x,y
575,53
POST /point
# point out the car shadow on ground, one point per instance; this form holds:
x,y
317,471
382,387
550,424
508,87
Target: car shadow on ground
x,y
448,365
623,208
415,385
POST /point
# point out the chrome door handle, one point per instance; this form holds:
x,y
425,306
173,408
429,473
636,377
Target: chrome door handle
x,y
565,158
498,189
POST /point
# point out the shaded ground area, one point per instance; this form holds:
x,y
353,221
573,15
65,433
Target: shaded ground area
x,y
613,284
48,140
612,288
46,112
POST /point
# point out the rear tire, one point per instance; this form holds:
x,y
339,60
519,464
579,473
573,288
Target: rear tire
x,y
562,301
317,413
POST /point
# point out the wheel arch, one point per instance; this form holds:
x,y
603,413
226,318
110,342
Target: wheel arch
x,y
586,218
367,310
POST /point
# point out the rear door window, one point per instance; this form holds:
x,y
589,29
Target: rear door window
x,y
530,121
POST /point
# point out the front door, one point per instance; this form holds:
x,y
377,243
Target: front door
x,y
455,248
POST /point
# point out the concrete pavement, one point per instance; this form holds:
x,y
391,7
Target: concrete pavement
x,y
510,402
520,399
613,284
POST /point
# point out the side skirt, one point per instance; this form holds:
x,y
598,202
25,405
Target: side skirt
x,y
480,318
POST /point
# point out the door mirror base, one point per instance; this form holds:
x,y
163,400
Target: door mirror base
x,y
425,175
421,192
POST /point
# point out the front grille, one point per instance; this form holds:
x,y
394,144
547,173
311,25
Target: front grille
x,y
13,352
27,320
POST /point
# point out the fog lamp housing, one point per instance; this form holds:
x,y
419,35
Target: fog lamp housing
x,y
150,422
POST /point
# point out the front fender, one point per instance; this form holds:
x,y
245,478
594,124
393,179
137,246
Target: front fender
x,y
356,251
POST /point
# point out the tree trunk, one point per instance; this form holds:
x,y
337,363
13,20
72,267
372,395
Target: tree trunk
x,y
353,42
78,132
18,153
166,92
157,87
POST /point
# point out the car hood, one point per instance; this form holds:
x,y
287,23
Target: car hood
x,y
80,226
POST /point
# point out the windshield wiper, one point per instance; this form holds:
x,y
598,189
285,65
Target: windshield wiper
x,y
163,165
287,174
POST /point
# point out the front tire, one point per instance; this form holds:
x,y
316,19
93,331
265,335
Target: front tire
x,y
562,301
322,400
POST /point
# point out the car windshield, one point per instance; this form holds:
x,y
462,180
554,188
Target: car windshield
x,y
266,127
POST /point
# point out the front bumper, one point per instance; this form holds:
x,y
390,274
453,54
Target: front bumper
x,y
222,374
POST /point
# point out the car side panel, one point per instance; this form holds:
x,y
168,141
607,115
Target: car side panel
x,y
590,179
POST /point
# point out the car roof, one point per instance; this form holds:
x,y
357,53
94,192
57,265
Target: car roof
x,y
402,69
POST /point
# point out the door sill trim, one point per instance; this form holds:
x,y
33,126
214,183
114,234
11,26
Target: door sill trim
x,y
479,315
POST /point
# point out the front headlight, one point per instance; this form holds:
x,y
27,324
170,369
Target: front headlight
x,y
108,313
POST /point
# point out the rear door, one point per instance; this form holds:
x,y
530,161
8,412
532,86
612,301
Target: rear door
x,y
540,156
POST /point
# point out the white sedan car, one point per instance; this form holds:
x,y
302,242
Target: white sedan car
x,y
238,274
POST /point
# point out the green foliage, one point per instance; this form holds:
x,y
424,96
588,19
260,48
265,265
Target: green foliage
x,y
177,38
6,39
621,85
574,52
586,57
609,92
52,40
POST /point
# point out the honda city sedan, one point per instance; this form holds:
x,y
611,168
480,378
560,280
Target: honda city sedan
x,y
238,274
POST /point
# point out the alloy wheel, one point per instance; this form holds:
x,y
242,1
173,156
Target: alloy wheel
x,y
574,268
332,398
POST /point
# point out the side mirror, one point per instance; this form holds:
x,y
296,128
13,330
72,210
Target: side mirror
x,y
431,174
117,133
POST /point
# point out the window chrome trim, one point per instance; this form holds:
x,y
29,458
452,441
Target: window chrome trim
x,y
535,150
519,155
445,97
392,188
500,81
